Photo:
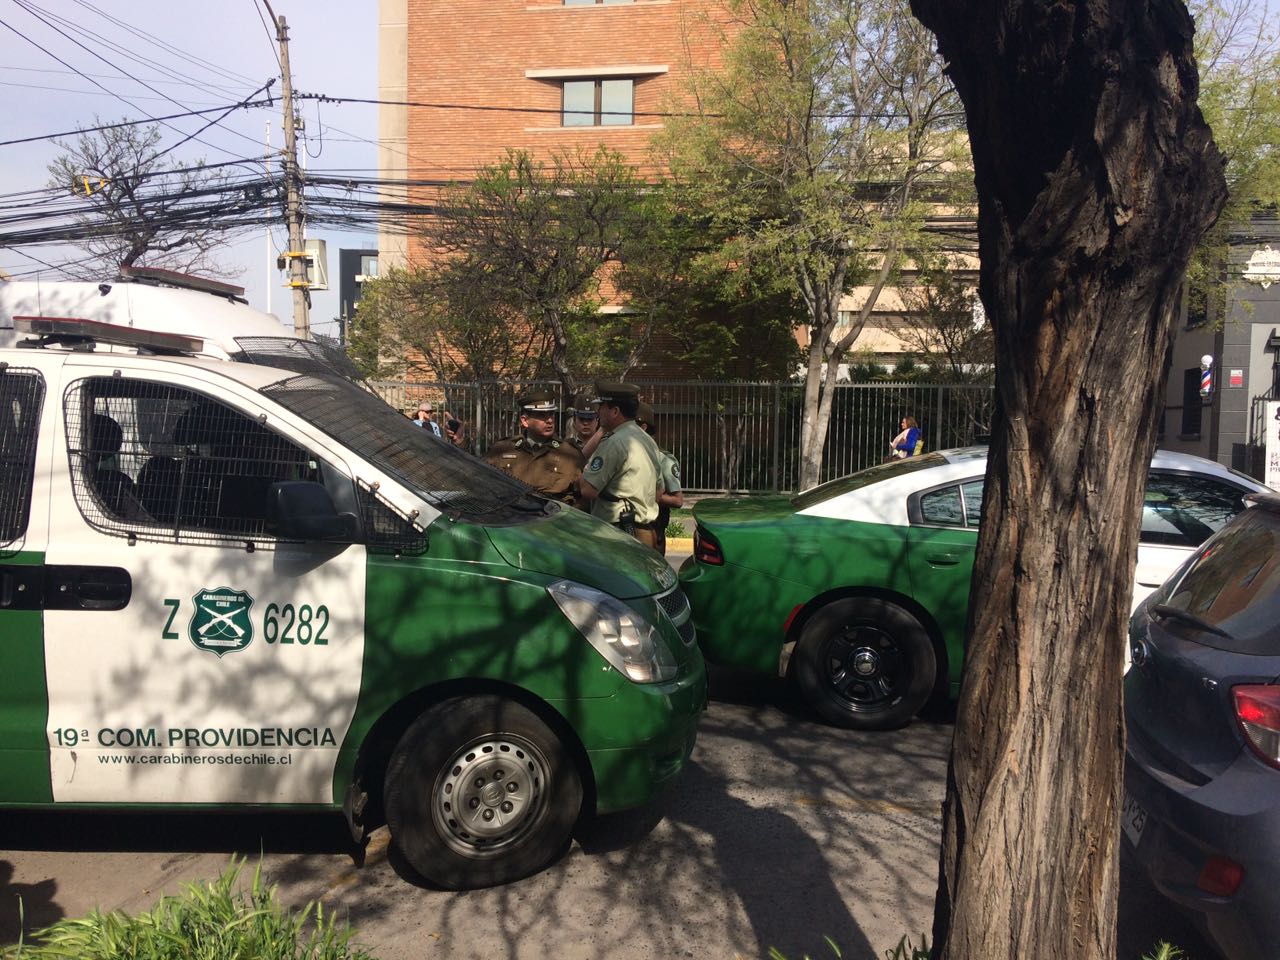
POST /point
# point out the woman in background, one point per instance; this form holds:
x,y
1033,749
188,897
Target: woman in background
x,y
904,444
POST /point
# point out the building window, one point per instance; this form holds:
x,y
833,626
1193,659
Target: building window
x,y
599,103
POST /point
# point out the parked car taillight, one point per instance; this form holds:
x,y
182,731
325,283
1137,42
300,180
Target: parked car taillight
x,y
706,549
1258,713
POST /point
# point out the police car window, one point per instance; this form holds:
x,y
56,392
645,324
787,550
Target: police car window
x,y
1184,510
154,461
21,399
943,506
972,492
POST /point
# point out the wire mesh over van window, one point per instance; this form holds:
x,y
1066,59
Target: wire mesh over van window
x,y
454,481
21,399
163,463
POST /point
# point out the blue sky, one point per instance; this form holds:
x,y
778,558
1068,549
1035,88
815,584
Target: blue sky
x,y
214,53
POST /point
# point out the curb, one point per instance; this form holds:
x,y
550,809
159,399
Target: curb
x,y
680,544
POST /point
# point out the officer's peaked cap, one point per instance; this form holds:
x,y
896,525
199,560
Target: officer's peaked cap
x,y
584,403
540,400
608,391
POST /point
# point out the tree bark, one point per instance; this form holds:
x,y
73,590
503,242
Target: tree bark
x,y
1095,174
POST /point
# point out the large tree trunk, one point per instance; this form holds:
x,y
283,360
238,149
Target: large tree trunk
x,y
1095,175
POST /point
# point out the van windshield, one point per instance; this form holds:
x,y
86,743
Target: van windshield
x,y
457,483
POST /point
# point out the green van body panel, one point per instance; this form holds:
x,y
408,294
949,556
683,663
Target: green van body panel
x,y
24,708
462,612
575,546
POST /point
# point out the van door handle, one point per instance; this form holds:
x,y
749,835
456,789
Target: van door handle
x,y
942,559
86,588
21,587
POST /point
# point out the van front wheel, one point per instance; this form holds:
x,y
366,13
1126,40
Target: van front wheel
x,y
479,791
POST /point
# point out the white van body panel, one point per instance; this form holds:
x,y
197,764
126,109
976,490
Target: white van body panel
x,y
259,724
217,320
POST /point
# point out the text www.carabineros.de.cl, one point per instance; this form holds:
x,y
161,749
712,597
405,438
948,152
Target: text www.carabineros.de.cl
x,y
248,759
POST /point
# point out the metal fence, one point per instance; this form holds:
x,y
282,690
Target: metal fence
x,y
737,436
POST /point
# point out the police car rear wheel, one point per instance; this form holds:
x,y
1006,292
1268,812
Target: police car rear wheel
x,y
480,792
865,664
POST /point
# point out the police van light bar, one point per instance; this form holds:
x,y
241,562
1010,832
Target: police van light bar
x,y
171,278
78,330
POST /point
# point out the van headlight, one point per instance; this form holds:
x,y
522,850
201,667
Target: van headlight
x,y
623,637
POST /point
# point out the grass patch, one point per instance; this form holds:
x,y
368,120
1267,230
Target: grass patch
x,y
213,920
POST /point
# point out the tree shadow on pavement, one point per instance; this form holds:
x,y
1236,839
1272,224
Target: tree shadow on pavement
x,y
25,907
774,868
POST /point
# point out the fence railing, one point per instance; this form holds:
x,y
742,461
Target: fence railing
x,y
735,436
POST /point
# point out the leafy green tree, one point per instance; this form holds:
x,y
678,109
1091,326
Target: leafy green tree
x,y
815,148
1239,56
725,322
132,195
440,324
529,240
948,338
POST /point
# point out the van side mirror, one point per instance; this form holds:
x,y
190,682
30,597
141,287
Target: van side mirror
x,y
304,510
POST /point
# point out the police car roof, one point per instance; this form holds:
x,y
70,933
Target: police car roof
x,y
215,319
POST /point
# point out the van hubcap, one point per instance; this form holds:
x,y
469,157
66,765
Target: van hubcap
x,y
489,794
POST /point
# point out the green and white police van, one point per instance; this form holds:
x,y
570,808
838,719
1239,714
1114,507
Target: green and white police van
x,y
231,577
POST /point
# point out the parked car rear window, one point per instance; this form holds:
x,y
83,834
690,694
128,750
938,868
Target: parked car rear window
x,y
1183,510
1234,584
863,478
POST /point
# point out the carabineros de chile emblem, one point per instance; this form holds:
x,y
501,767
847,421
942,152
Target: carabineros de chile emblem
x,y
221,621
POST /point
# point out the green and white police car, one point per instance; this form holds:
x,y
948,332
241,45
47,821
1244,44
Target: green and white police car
x,y
859,589
232,577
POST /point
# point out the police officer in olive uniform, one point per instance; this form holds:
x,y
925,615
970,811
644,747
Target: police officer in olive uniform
x,y
538,457
670,493
584,421
621,478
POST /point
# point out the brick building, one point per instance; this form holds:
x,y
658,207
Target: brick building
x,y
545,76
540,75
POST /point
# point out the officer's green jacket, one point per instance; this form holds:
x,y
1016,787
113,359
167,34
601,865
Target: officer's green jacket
x,y
625,471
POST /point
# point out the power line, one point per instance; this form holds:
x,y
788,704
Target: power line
x,y
31,9
164,45
268,102
88,93
114,48
185,81
271,41
491,108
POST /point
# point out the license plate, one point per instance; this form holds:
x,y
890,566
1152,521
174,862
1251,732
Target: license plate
x,y
1133,819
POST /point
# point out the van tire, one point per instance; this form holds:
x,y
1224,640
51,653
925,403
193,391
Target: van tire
x,y
479,792
863,633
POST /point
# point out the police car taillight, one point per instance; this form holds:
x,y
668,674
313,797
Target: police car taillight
x,y
72,330
706,548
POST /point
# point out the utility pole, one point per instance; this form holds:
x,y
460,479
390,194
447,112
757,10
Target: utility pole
x,y
296,255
